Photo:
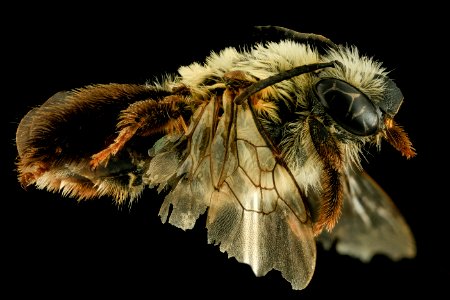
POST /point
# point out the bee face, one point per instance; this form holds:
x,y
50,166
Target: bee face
x,y
266,142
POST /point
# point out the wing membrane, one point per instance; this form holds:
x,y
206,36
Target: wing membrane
x,y
370,223
191,195
256,212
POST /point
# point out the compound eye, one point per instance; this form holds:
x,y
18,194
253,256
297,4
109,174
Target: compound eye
x,y
348,106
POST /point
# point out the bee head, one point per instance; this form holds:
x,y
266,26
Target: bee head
x,y
362,115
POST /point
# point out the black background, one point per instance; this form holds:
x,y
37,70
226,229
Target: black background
x,y
55,246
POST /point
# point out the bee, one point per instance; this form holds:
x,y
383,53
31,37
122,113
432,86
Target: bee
x,y
267,141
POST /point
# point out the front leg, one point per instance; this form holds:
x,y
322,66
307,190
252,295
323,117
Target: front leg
x,y
331,179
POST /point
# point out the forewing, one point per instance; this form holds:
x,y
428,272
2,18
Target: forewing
x,y
256,212
370,223
192,187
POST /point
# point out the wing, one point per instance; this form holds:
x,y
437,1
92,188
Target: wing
x,y
255,208
370,223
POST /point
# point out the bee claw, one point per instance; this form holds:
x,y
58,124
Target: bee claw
x,y
99,158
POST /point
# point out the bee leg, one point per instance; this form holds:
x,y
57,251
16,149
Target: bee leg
x,y
144,118
398,138
332,188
